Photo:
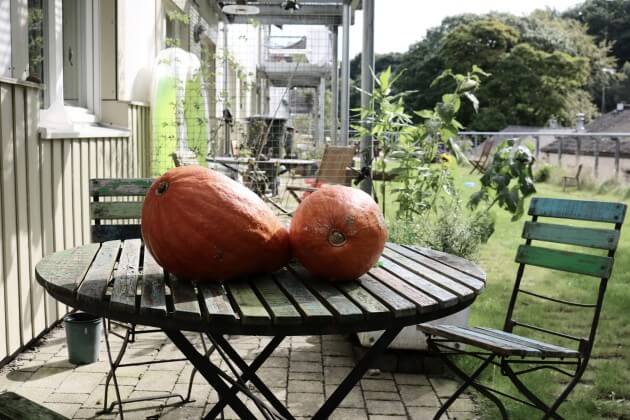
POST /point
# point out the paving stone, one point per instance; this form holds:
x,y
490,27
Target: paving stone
x,y
444,387
305,367
181,412
354,399
47,377
462,415
95,400
349,413
381,395
339,361
378,385
273,377
337,348
123,380
143,409
411,379
38,395
306,386
91,413
184,376
306,376
423,413
304,403
385,407
67,410
335,374
171,367
58,397
97,367
80,383
385,417
156,381
306,356
281,362
199,394
13,380
461,404
418,396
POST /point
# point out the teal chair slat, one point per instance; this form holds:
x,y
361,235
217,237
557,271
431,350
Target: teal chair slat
x,y
116,210
571,235
594,211
572,262
119,187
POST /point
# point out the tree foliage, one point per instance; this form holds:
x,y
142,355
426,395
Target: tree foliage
x,y
543,66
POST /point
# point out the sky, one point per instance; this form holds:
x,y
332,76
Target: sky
x,y
400,23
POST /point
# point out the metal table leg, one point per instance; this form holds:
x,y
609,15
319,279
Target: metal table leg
x,y
249,374
210,372
356,374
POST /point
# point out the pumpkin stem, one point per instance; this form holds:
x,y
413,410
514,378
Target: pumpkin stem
x,y
336,238
161,188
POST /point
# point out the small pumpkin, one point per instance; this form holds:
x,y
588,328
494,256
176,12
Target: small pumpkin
x,y
338,233
199,224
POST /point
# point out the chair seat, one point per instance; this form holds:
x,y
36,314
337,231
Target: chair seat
x,y
499,342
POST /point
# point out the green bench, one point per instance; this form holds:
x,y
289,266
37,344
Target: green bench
x,y
14,406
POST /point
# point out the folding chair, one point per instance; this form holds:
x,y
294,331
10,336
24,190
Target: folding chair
x,y
118,218
335,168
507,350
567,181
480,164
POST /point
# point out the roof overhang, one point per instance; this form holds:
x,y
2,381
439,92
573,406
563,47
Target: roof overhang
x,y
311,12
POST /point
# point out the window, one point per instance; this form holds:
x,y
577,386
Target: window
x,y
36,14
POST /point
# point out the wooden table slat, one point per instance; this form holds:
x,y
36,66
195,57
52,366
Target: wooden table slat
x,y
400,306
94,285
250,308
371,306
342,307
457,263
309,305
280,307
126,278
443,296
217,303
153,297
428,274
64,270
459,275
185,300
424,302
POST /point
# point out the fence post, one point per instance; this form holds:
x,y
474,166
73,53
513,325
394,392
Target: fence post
x,y
617,153
596,152
537,139
560,152
578,148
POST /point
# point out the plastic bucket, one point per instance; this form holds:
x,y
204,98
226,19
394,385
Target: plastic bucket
x,y
83,335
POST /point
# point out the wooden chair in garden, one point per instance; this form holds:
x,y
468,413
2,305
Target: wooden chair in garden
x,y
335,168
115,209
517,355
481,163
568,181
184,158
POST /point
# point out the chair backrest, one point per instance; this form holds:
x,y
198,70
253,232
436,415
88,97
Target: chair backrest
x,y
486,148
579,170
334,165
575,261
184,158
116,206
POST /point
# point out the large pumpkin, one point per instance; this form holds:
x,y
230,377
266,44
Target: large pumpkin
x,y
199,224
338,233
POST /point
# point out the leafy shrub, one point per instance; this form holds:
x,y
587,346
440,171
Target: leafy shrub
x,y
542,172
451,229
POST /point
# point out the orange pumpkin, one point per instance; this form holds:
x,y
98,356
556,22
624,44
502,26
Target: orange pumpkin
x,y
199,224
338,233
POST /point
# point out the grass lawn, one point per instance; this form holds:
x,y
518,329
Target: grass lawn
x,y
604,391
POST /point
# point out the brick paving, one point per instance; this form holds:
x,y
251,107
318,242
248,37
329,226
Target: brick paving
x,y
301,373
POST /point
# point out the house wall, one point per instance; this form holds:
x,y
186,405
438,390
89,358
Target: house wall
x,y
44,202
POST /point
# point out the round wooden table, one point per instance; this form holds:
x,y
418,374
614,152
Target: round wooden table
x,y
120,281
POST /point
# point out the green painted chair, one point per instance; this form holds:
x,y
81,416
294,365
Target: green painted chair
x,y
517,355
